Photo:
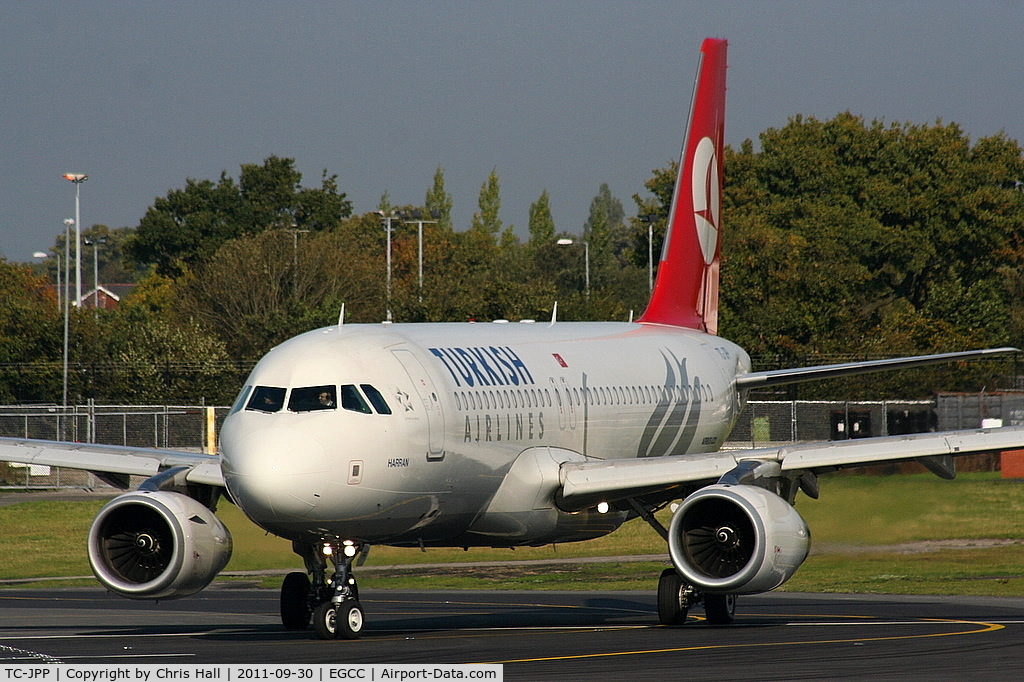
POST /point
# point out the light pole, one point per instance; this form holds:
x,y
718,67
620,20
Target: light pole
x,y
417,217
586,260
294,229
95,244
77,179
68,222
649,218
386,221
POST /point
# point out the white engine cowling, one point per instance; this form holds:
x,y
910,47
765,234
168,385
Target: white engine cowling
x,y
737,539
157,545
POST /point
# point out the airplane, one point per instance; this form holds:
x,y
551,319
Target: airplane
x,y
502,435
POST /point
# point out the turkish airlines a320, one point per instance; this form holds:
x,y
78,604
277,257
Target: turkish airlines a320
x,y
501,435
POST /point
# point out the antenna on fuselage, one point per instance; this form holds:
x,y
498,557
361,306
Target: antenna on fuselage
x,y
554,314
341,316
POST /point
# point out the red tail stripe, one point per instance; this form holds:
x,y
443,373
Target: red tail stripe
x,y
686,291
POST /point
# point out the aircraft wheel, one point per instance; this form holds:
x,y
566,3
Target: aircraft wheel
x,y
720,608
344,620
295,613
350,619
325,620
671,610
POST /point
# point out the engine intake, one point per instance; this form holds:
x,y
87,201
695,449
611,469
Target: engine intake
x,y
737,539
157,545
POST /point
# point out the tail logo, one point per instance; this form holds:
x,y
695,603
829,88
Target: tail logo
x,y
705,197
673,424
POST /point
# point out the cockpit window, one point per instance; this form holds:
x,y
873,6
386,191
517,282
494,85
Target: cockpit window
x,y
313,398
240,400
266,399
352,399
310,398
376,399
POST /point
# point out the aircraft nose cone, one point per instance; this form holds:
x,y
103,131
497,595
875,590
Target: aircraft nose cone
x,y
273,474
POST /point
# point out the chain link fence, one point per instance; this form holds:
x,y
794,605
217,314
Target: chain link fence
x,y
176,427
768,422
761,424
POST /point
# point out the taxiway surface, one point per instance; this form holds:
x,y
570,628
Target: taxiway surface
x,y
537,635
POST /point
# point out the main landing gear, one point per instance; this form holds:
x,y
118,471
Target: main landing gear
x,y
331,602
675,597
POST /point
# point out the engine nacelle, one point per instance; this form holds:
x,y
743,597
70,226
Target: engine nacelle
x,y
157,545
737,539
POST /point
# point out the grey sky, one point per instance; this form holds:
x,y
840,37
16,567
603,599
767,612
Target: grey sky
x,y
555,95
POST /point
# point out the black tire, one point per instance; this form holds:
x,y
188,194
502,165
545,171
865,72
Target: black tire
x,y
670,607
325,620
349,619
720,609
295,613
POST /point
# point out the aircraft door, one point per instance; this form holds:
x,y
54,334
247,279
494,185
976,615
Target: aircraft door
x,y
430,401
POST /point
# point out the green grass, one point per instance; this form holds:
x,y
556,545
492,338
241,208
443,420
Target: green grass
x,y
854,525
881,510
992,572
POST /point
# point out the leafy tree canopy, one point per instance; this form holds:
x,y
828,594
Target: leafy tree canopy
x,y
486,221
843,239
837,230
189,225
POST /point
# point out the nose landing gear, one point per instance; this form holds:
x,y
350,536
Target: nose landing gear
x,y
332,620
330,601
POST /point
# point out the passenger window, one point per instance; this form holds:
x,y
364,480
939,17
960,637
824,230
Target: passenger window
x,y
352,399
266,399
311,398
376,399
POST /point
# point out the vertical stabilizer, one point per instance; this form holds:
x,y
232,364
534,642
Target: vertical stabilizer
x,y
686,290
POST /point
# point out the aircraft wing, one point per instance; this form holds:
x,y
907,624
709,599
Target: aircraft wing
x,y
112,463
586,483
800,374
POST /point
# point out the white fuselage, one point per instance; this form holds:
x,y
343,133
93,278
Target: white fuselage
x,y
461,413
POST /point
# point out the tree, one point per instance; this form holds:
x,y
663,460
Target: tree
x,y
653,211
109,249
486,222
157,360
604,230
439,202
189,225
541,224
842,236
31,336
259,290
842,239
384,205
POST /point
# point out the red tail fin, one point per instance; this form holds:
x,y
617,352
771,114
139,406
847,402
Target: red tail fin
x,y
686,291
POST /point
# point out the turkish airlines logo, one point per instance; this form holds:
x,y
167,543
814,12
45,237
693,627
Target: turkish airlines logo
x,y
704,173
673,424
